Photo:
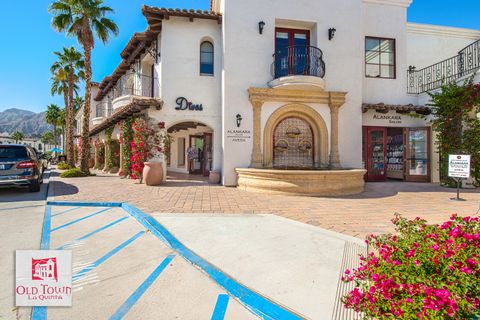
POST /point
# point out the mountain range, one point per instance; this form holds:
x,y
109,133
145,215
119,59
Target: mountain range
x,y
29,123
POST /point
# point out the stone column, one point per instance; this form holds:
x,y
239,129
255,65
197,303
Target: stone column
x,y
97,162
105,169
334,150
257,158
120,169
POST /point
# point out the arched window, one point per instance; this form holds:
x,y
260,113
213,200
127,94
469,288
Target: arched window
x,y
206,58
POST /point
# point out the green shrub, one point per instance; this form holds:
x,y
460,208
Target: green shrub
x,y
73,173
63,166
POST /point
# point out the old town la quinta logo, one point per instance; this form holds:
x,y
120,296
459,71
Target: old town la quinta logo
x,y
43,278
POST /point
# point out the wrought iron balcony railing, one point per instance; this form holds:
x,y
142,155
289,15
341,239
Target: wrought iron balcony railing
x,y
298,60
433,77
136,85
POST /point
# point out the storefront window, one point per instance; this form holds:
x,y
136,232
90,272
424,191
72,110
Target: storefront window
x,y
418,145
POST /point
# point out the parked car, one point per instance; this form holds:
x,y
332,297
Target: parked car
x,y
20,166
43,159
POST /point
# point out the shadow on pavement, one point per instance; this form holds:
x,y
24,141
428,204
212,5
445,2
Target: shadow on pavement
x,y
374,190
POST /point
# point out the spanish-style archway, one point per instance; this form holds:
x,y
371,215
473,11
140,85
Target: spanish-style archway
x,y
307,120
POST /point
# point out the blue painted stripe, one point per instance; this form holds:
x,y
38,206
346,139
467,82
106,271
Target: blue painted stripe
x,y
84,204
130,302
256,303
220,307
80,219
47,225
66,211
92,233
86,270
40,313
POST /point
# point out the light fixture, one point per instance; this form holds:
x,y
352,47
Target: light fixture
x,y
239,120
261,25
331,33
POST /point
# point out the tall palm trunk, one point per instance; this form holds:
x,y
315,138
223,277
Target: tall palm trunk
x,y
86,109
55,135
69,116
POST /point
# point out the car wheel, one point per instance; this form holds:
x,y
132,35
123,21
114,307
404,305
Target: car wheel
x,y
34,187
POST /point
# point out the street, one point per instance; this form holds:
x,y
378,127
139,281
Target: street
x,y
21,217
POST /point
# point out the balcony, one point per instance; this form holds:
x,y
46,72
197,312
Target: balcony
x,y
103,110
298,67
465,63
133,85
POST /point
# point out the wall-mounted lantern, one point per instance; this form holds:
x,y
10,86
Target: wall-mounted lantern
x,y
331,33
239,120
261,25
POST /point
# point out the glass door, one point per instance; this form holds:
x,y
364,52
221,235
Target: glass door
x,y
195,155
376,156
417,154
291,52
207,153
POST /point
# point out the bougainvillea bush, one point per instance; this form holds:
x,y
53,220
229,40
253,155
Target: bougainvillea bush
x,y
423,272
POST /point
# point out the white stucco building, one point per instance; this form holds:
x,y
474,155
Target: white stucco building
x,y
278,84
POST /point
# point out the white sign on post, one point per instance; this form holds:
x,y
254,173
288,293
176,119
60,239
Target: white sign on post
x,y
458,166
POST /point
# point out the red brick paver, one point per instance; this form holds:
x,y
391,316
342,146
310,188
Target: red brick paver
x,y
369,212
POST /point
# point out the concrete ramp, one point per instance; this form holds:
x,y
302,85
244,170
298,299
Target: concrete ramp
x,y
293,264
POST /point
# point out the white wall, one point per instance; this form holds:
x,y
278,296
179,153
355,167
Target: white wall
x,y
180,76
429,44
248,58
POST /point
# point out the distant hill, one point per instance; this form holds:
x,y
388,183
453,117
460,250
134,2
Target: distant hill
x,y
28,122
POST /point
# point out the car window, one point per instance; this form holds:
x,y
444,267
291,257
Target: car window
x,y
7,152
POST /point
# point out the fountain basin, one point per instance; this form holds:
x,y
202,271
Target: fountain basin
x,y
302,182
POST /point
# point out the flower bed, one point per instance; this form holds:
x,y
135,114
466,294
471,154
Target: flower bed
x,y
423,272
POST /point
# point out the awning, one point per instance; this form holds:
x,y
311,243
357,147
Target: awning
x,y
399,108
136,106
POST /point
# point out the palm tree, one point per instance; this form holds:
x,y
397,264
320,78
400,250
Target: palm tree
x,y
61,122
47,138
51,116
67,71
17,136
83,19
77,103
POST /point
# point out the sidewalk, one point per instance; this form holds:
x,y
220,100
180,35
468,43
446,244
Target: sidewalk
x,y
369,212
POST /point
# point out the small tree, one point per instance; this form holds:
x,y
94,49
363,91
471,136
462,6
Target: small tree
x,y
47,138
17,136
455,110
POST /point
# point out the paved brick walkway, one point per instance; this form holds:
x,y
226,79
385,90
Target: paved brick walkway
x,y
369,212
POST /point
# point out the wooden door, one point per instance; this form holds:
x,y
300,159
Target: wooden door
x,y
417,154
376,153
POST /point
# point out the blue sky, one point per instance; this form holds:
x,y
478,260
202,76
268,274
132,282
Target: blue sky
x,y
28,41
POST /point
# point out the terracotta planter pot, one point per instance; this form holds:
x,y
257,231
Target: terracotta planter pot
x,y
214,177
153,173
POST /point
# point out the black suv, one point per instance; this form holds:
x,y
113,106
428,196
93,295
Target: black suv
x,y
20,166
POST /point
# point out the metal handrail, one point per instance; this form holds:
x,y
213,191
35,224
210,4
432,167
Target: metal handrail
x,y
298,60
433,77
135,84
103,109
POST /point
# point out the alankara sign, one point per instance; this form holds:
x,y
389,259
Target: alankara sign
x,y
458,166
